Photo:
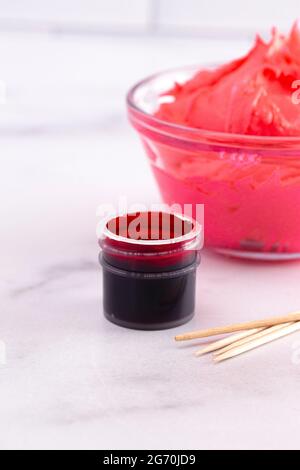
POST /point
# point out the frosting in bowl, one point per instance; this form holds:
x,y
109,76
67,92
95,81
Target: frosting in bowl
x,y
252,95
229,139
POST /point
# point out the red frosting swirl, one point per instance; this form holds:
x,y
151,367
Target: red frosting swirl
x,y
254,95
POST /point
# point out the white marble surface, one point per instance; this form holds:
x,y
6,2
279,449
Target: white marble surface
x,y
71,379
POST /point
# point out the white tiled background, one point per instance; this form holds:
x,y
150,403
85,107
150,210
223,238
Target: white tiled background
x,y
188,16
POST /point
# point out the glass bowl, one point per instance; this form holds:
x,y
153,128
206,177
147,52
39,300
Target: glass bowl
x,y
249,185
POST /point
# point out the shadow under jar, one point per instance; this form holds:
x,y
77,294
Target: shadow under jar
x,y
149,262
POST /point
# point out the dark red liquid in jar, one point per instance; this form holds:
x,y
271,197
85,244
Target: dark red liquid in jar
x,y
149,262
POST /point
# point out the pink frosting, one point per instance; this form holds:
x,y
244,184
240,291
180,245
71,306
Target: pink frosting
x,y
253,95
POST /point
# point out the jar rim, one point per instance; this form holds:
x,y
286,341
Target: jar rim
x,y
194,233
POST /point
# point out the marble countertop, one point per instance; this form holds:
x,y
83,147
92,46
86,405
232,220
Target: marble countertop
x,y
71,379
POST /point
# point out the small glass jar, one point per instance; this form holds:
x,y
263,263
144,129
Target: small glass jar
x,y
149,262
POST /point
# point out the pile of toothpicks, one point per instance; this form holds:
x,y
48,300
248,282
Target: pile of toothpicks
x,y
246,337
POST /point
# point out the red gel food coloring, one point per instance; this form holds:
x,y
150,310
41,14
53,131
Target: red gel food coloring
x,y
149,262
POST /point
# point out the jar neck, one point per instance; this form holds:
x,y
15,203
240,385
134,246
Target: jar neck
x,y
150,258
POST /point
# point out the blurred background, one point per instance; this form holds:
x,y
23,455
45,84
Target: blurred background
x,y
65,68
213,17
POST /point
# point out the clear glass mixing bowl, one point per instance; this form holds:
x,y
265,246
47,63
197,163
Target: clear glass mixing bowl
x,y
249,185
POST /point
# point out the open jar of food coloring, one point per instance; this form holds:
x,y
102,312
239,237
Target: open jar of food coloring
x,y
149,262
